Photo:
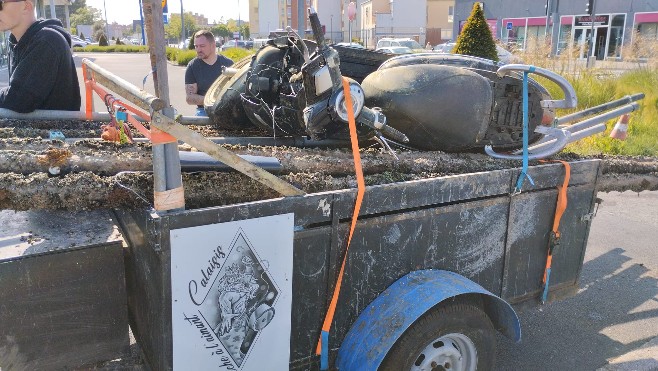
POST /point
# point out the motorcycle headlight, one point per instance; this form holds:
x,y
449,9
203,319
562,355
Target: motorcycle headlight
x,y
358,99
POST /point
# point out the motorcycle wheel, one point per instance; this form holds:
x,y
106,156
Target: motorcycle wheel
x,y
222,101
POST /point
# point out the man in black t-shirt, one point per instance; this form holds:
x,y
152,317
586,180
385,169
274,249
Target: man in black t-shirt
x,y
203,70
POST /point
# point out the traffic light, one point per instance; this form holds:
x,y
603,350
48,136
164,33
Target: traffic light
x,y
590,7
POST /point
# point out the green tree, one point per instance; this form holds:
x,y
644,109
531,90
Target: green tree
x,y
476,38
98,29
221,30
173,29
244,31
102,40
85,16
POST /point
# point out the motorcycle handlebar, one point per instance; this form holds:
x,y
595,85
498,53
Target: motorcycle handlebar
x,y
374,118
316,26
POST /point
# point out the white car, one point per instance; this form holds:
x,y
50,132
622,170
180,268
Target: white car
x,y
77,42
351,45
395,50
409,43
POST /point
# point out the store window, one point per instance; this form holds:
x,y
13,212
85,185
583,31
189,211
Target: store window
x,y
566,30
616,35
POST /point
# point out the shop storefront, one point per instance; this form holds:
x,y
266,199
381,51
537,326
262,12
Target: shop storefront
x,y
568,26
608,29
517,31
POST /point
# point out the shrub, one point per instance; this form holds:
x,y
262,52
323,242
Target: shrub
x,y
102,41
235,54
190,45
113,48
476,39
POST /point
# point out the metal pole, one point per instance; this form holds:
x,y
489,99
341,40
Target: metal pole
x,y
107,24
590,61
301,16
182,25
239,33
332,29
141,17
52,9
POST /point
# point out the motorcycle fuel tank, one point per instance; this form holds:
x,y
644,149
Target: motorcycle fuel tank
x,y
437,107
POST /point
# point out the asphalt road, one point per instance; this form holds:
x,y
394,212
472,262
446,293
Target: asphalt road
x,y
614,312
136,69
616,308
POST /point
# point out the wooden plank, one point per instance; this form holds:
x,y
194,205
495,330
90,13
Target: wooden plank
x,y
219,153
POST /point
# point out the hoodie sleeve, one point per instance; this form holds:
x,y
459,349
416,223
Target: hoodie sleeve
x,y
35,75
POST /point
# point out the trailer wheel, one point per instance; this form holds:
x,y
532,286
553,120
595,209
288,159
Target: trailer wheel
x,y
453,336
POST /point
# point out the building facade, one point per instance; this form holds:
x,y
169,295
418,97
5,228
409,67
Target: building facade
x,y
423,20
566,23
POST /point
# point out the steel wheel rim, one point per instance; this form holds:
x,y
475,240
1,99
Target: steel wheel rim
x,y
449,352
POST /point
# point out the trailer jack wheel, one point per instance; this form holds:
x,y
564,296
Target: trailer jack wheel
x,y
451,336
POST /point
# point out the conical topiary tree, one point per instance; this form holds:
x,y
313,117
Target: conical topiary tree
x,y
102,41
476,38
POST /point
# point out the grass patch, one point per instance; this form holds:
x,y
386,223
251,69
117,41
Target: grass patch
x,y
113,49
183,56
595,86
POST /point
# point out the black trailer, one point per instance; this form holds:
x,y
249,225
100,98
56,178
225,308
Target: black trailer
x,y
433,261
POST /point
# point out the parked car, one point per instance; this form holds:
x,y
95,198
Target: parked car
x,y
184,44
409,43
77,42
504,55
396,50
234,44
351,45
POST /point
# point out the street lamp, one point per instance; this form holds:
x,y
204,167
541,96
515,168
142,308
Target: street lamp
x,y
239,20
107,24
182,25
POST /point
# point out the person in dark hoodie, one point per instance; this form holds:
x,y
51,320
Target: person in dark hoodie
x,y
42,73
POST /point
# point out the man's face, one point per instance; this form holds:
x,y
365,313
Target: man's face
x,y
203,47
11,15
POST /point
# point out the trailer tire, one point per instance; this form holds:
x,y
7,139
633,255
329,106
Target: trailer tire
x,y
456,335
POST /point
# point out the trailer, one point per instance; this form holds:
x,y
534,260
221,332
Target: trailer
x,y
421,276
433,261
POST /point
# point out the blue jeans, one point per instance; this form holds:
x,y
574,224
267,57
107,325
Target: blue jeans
x,y
200,111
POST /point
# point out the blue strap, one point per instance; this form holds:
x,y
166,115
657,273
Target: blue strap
x,y
324,353
524,169
544,294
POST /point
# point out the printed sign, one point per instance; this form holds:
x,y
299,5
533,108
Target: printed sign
x,y
586,20
509,25
231,291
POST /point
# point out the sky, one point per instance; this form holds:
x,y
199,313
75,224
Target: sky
x,y
124,11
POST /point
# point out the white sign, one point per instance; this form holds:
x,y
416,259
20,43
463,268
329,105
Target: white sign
x,y
231,295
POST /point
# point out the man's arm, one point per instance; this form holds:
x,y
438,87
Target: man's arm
x,y
191,96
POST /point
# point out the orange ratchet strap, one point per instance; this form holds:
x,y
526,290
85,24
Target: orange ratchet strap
x,y
323,343
554,238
